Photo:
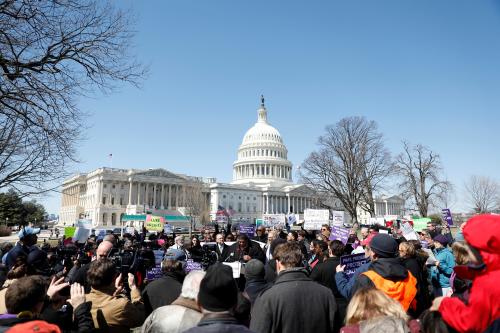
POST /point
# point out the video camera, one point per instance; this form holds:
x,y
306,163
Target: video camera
x,y
66,255
131,260
210,256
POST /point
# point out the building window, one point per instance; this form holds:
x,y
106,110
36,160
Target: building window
x,y
121,201
103,200
113,219
239,207
224,196
104,218
113,186
105,186
112,200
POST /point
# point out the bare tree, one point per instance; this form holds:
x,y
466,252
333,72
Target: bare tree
x,y
51,53
350,164
482,193
420,170
196,200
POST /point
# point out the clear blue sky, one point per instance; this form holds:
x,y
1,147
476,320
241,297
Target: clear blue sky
x,y
426,71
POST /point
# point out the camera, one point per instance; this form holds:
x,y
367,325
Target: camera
x,y
132,260
210,256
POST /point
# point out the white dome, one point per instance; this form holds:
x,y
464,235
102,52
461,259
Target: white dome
x,y
262,155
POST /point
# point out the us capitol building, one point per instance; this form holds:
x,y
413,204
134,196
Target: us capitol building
x,y
262,184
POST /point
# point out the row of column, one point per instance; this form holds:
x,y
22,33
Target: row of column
x,y
162,196
278,204
262,170
71,196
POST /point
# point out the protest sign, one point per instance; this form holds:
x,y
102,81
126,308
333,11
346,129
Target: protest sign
x,y
315,218
447,216
274,220
339,233
69,231
130,230
155,272
82,232
221,218
338,218
352,262
408,231
192,266
291,218
167,228
154,223
421,223
431,260
248,230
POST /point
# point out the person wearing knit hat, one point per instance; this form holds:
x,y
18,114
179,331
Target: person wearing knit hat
x,y
217,297
443,267
387,273
255,279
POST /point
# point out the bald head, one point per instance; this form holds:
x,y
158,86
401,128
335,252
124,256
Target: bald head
x,y
103,249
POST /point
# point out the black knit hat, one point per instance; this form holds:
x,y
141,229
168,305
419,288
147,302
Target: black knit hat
x,y
218,290
384,246
254,269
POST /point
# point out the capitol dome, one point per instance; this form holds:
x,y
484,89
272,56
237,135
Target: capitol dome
x,y
262,155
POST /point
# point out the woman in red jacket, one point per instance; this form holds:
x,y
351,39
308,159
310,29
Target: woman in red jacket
x,y
482,234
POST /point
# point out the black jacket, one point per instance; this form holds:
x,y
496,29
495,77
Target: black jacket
x,y
219,252
422,297
294,303
218,323
233,253
163,291
254,287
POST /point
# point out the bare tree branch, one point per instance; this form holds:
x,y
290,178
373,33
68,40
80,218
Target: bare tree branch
x,y
482,193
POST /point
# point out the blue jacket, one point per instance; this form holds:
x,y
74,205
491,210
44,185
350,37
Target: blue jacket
x,y
440,276
344,284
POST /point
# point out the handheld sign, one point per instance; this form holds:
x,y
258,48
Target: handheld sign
x,y
339,233
155,272
447,216
154,223
192,266
352,263
167,228
248,230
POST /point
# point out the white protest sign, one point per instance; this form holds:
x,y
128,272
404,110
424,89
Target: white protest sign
x,y
236,266
82,232
408,231
338,218
315,218
273,220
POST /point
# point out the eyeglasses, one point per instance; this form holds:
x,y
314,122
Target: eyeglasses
x,y
324,229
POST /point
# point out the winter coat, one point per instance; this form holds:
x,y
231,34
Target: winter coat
x,y
270,271
163,291
401,286
218,323
233,253
345,284
483,307
254,287
181,315
422,298
324,273
116,313
440,275
293,304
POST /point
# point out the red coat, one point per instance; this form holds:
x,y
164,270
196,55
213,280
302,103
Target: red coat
x,y
483,233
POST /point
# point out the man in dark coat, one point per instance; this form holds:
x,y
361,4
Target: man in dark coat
x,y
243,251
255,282
220,246
294,303
166,289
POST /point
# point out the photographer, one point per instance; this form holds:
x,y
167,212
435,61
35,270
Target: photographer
x,y
80,275
111,310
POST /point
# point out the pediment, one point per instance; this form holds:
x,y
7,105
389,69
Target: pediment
x,y
162,173
302,190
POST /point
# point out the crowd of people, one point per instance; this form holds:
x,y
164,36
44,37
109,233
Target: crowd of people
x,y
288,281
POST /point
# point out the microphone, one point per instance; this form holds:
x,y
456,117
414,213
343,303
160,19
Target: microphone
x,y
229,257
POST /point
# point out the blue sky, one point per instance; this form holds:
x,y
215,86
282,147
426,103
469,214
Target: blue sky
x,y
425,71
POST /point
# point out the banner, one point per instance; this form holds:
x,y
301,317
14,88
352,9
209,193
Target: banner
x,y
69,231
154,223
315,218
274,220
447,216
352,263
155,272
248,230
421,223
338,218
192,266
339,233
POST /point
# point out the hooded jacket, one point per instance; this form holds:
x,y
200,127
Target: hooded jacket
x,y
482,233
440,275
391,277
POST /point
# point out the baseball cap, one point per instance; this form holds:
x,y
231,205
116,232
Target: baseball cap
x,y
27,231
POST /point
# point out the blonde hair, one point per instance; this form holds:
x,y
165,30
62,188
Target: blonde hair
x,y
461,253
409,249
371,303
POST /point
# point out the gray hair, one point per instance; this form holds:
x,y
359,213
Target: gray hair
x,y
191,285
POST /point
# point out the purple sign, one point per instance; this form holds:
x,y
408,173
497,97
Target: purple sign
x,y
352,263
447,216
192,266
248,230
339,233
155,272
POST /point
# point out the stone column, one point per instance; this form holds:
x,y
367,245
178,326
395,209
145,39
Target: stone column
x,y
162,195
130,193
138,194
146,195
154,195
177,196
267,204
101,185
169,204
